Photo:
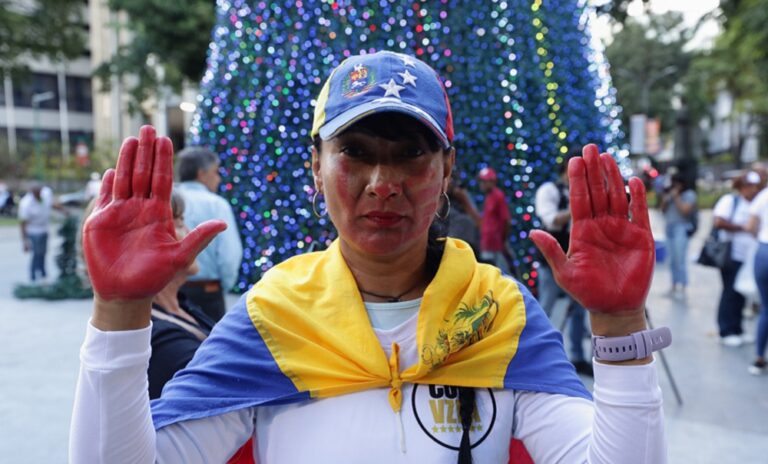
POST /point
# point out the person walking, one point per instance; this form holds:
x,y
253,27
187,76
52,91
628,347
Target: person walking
x,y
731,215
552,206
678,203
758,226
220,261
34,218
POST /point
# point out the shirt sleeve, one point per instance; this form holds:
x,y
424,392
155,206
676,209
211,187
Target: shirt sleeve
x,y
625,424
229,248
112,422
723,207
759,203
546,202
23,213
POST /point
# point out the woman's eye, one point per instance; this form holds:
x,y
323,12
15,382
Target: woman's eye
x,y
352,151
413,152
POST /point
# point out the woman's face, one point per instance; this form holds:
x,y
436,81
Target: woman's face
x,y
181,231
381,195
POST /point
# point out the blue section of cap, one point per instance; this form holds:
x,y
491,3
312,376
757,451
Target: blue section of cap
x,y
355,91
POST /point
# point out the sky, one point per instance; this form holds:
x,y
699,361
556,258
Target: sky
x,y
692,10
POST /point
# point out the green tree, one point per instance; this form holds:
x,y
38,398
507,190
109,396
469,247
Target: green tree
x,y
738,62
647,60
168,45
50,28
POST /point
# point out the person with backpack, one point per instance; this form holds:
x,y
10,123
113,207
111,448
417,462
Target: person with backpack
x,y
678,203
731,214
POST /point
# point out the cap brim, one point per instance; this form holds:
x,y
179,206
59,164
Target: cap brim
x,y
381,105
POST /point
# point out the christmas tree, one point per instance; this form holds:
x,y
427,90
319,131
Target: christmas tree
x,y
524,81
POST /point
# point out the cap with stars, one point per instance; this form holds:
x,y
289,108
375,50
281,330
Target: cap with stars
x,y
384,81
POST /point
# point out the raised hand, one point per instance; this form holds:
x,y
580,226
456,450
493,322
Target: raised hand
x,y
611,254
129,239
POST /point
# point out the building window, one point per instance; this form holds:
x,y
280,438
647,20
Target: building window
x,y
35,83
79,94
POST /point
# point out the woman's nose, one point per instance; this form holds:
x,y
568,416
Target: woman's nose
x,y
385,181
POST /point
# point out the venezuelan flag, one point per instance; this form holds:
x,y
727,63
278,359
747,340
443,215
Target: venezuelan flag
x,y
302,332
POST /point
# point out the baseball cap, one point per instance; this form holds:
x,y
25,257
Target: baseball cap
x,y
487,174
752,178
380,82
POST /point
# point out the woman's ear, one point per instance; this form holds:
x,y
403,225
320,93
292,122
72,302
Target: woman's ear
x,y
318,179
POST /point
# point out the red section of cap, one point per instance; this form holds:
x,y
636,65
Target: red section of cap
x,y
487,174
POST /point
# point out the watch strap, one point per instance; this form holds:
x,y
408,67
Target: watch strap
x,y
636,345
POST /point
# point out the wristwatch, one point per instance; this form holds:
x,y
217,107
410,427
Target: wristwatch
x,y
636,345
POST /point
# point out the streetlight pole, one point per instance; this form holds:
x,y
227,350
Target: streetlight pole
x,y
648,83
36,100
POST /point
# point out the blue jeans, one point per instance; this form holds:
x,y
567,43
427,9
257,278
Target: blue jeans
x,y
761,278
39,244
677,246
549,292
730,309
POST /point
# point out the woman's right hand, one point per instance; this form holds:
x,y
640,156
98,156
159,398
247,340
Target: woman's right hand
x,y
129,240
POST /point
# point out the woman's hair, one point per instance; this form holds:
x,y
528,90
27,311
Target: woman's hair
x,y
177,204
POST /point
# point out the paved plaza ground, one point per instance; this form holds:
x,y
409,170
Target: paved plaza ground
x,y
724,417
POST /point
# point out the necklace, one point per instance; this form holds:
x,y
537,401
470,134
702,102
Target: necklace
x,y
389,298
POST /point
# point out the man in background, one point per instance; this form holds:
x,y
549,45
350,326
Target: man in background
x,y
219,262
553,209
493,223
34,218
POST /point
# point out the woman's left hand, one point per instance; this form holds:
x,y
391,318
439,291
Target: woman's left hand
x,y
611,254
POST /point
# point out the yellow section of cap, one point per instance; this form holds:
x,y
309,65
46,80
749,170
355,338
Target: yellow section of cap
x,y
322,100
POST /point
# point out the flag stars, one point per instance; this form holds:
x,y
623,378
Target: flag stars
x,y
408,78
391,88
408,61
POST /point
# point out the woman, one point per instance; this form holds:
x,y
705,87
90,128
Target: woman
x,y
758,226
731,213
178,326
390,346
678,204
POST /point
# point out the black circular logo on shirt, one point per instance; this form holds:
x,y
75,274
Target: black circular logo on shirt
x,y
437,413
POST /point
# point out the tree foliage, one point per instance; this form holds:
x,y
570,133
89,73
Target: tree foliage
x,y
647,60
173,35
49,28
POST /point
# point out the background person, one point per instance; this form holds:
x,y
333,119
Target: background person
x,y
731,214
758,226
493,223
326,347
34,218
552,206
678,203
220,262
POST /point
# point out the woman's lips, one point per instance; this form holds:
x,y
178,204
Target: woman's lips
x,y
384,218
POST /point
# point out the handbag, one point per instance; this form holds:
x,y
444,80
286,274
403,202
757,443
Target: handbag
x,y
717,252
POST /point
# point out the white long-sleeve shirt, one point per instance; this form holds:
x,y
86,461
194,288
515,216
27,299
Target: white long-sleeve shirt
x,y
112,422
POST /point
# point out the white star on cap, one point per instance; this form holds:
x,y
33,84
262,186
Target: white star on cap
x,y
408,78
391,88
358,67
407,60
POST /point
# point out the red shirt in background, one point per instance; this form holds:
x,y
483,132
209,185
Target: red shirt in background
x,y
495,217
